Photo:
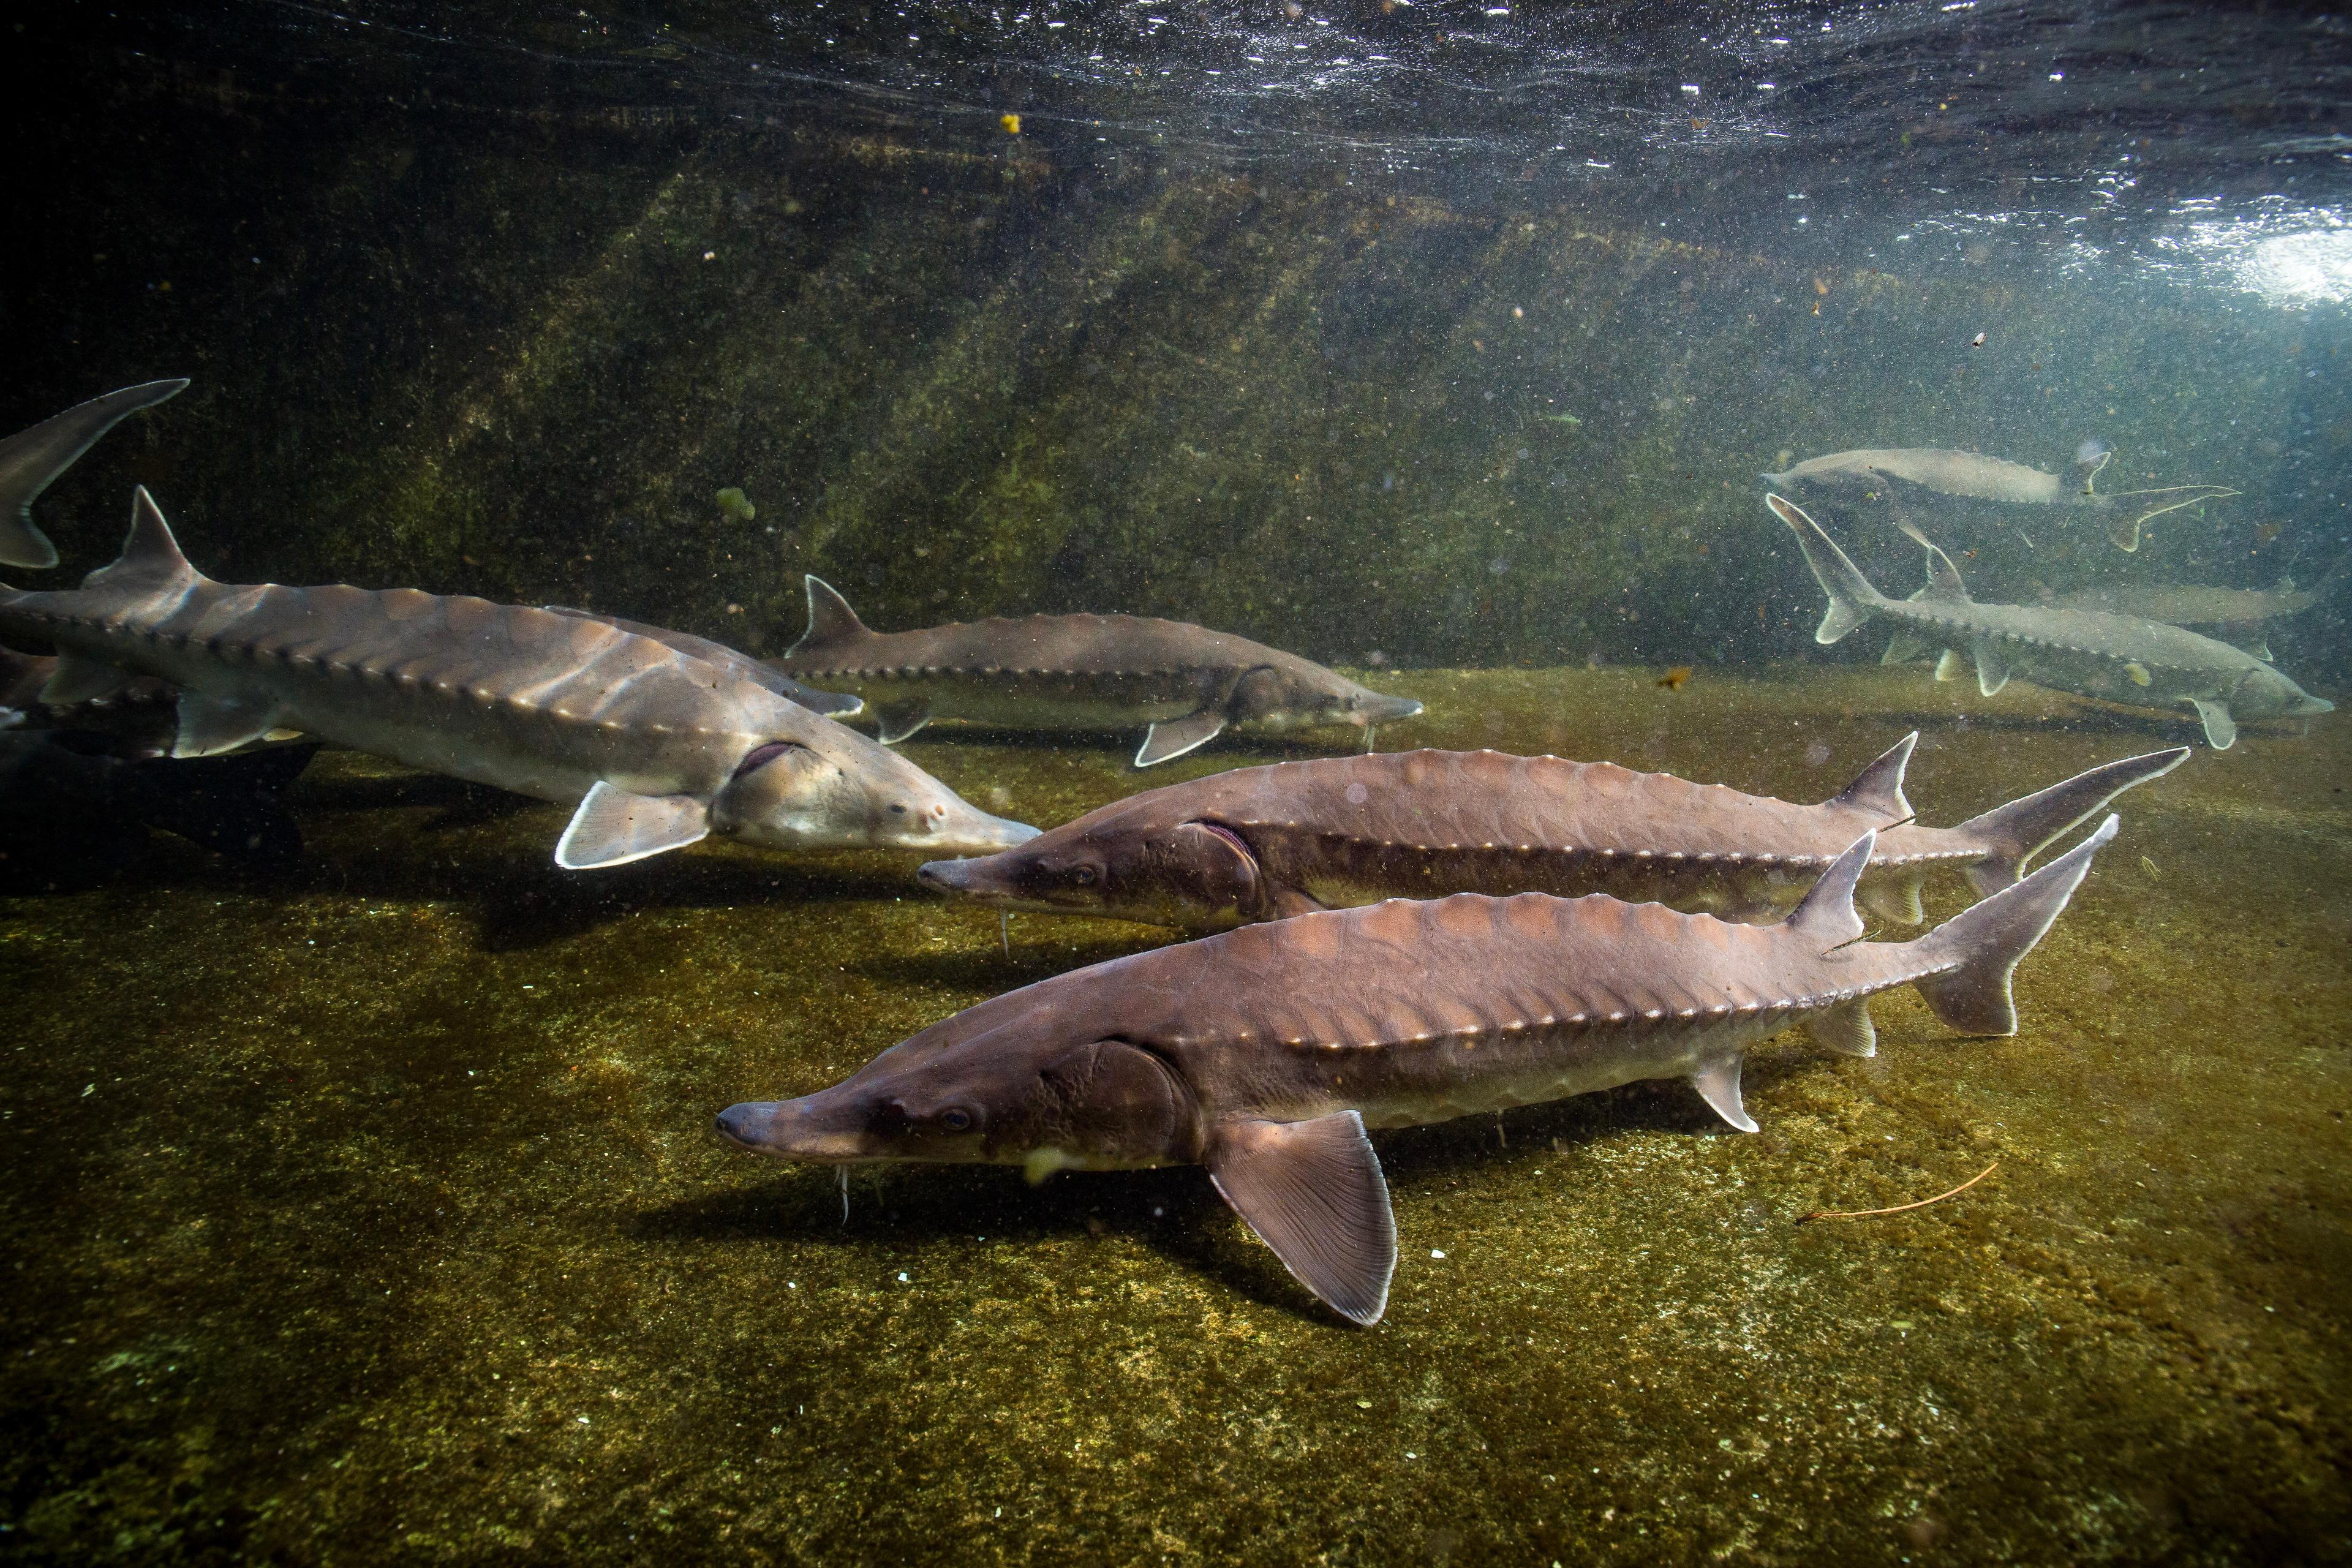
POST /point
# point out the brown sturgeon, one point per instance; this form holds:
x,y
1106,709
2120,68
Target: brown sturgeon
x,y
1076,672
657,749
1264,1053
1970,474
1266,843
31,459
743,665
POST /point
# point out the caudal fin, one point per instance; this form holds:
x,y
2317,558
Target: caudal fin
x,y
2129,509
31,459
2014,834
1977,950
1851,598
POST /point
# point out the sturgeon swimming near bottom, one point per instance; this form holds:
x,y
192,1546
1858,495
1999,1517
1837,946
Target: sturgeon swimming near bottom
x,y
1264,1053
1266,843
657,749
2120,659
1076,672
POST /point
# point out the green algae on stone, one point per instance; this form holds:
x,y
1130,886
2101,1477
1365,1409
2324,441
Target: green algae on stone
x,y
376,1200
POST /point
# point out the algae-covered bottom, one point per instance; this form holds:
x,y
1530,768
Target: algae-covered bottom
x,y
371,1209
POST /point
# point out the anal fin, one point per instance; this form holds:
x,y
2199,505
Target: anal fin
x,y
83,678
1904,646
1952,664
1718,1084
1171,738
1845,1028
1314,1193
1893,898
211,725
613,827
2220,729
1993,670
900,720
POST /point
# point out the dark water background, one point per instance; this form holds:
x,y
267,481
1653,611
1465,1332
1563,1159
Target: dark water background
x,y
1275,322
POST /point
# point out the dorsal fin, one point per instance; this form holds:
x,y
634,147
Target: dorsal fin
x,y
150,553
1878,789
1827,914
1943,577
832,622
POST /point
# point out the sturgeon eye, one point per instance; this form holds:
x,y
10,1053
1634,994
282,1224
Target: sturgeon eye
x,y
1083,876
955,1118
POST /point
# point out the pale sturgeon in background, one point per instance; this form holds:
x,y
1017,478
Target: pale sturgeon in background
x,y
2120,659
1970,474
1076,672
656,748
1271,842
1264,1053
30,459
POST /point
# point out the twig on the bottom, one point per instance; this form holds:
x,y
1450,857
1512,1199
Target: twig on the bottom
x,y
1898,1208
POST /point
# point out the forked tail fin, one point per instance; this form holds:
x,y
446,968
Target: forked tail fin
x,y
2014,834
2126,509
1977,950
31,459
1851,598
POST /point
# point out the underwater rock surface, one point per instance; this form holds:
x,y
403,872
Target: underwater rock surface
x,y
370,1208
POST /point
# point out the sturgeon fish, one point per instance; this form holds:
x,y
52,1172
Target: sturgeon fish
x,y
2120,659
1272,842
31,459
1076,672
1951,473
1264,1053
2236,615
741,666
657,750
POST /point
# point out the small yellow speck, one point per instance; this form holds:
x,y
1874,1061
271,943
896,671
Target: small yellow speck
x,y
1012,123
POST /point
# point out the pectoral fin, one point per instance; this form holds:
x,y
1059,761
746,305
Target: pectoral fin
x,y
1951,665
1718,1084
1289,901
900,720
1171,738
1313,1192
1992,670
80,677
613,827
211,725
1845,1027
2221,730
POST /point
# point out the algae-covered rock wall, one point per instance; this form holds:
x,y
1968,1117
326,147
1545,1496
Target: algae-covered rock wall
x,y
963,374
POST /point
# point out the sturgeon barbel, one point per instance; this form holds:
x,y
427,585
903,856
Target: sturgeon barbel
x,y
1264,1053
2119,658
1268,843
657,749
1951,473
1076,672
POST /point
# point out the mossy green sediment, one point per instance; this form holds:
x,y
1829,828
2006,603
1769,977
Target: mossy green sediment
x,y
339,1199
